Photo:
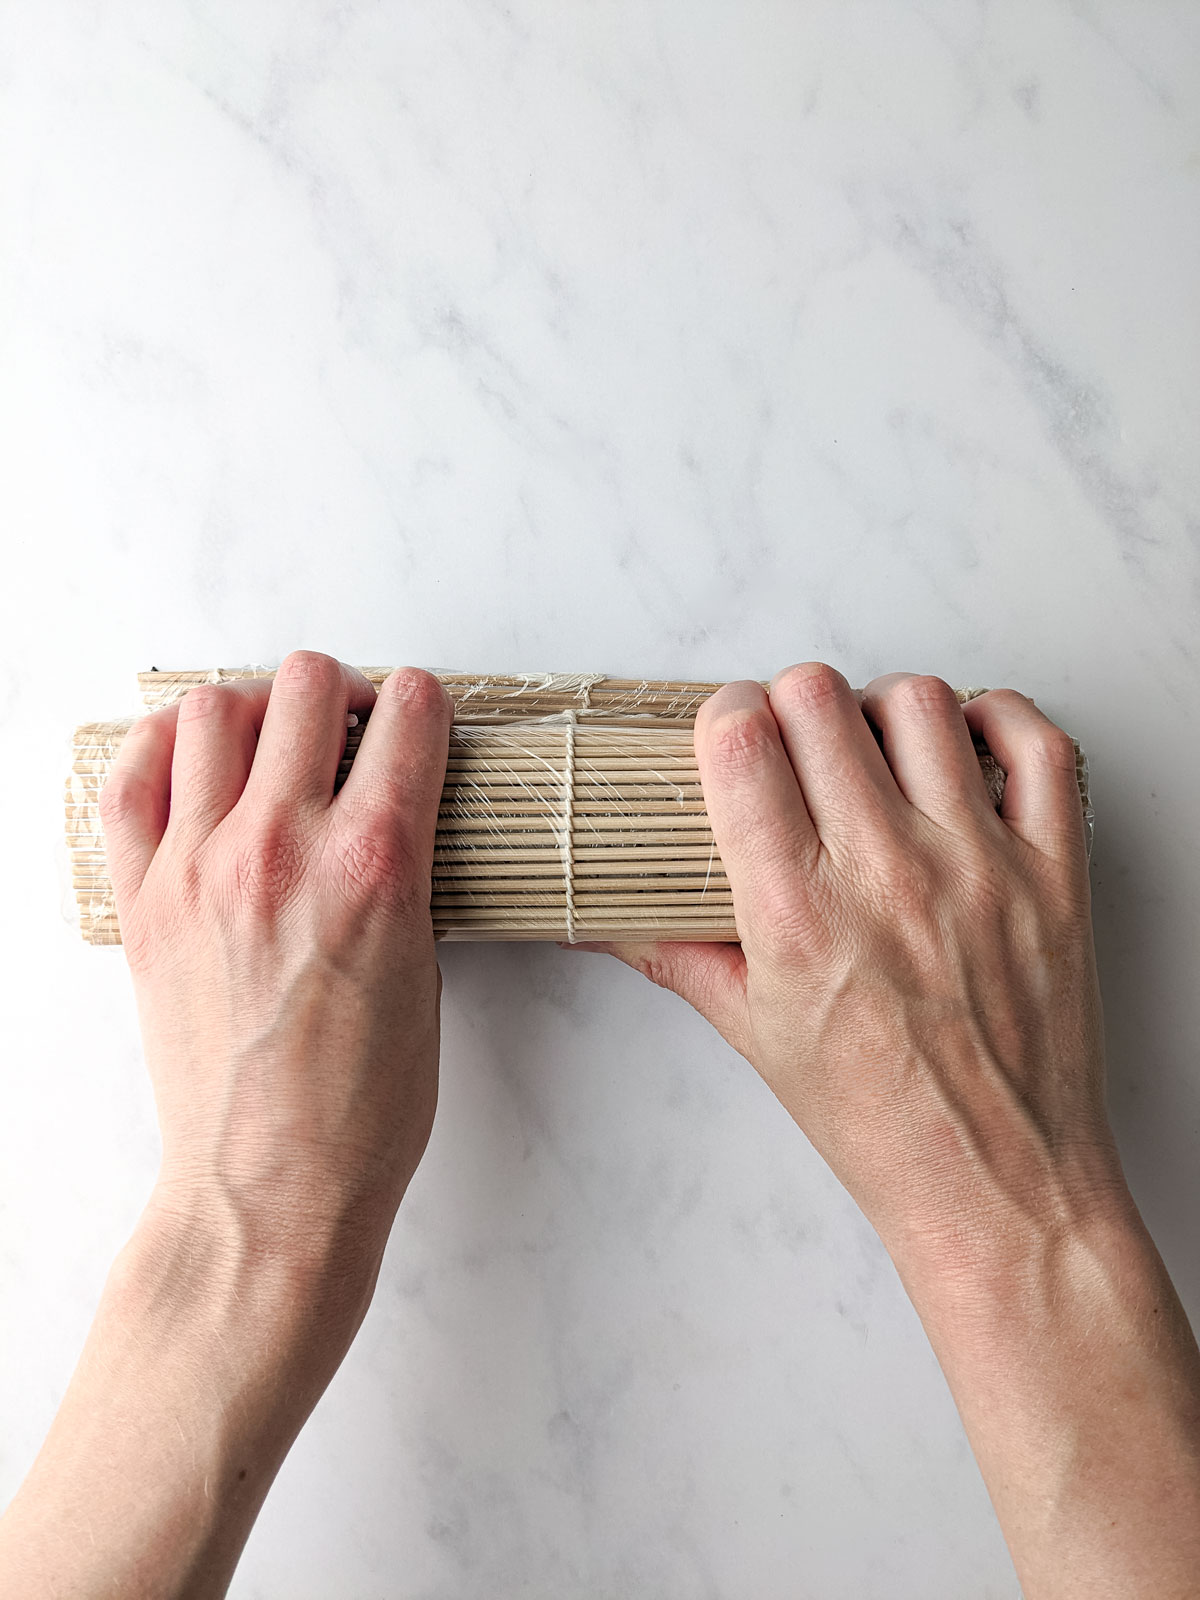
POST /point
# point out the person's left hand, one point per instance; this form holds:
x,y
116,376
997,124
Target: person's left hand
x,y
281,946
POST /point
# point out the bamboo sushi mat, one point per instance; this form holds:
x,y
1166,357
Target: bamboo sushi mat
x,y
572,808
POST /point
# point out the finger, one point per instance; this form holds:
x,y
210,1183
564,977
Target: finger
x,y
214,749
763,832
1041,799
710,977
135,802
927,744
840,768
398,772
303,733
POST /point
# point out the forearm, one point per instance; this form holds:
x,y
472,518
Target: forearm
x,y
1078,1381
208,1351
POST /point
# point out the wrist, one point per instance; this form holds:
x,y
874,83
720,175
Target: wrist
x,y
215,1336
1028,1274
266,1288
974,1235
1077,1379
1046,1276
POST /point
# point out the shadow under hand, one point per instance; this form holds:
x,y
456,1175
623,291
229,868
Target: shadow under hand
x,y
1146,960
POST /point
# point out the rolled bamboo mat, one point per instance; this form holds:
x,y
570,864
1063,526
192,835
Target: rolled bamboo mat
x,y
571,809
639,702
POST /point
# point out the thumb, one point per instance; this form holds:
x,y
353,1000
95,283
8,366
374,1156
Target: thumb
x,y
710,977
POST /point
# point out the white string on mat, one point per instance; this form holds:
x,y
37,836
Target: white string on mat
x,y
564,825
559,682
567,846
583,683
580,683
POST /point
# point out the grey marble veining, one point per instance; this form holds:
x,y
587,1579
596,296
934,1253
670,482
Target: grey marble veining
x,y
666,339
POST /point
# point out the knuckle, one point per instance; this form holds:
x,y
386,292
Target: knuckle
x,y
1053,748
206,700
809,684
265,869
308,669
1012,698
915,924
372,864
924,693
120,796
142,727
783,925
418,690
741,742
897,878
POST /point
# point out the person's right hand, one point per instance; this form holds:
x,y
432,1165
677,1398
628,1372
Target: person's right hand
x,y
916,981
916,977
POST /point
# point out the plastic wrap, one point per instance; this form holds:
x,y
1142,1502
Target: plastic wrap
x,y
571,809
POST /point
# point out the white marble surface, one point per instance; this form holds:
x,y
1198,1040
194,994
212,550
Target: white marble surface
x,y
670,339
